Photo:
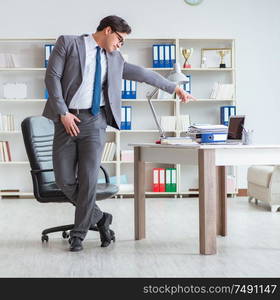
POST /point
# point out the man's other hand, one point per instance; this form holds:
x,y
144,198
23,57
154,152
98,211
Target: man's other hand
x,y
69,123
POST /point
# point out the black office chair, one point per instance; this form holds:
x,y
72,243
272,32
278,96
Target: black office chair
x,y
38,134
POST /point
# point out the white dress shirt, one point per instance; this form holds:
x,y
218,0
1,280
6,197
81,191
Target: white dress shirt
x,y
83,96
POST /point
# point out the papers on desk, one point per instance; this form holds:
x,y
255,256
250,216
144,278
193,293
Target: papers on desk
x,y
177,141
207,128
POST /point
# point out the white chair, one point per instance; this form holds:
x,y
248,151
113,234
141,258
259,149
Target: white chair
x,y
264,185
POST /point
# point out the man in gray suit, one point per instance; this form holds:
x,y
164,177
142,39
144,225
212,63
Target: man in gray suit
x,y
83,79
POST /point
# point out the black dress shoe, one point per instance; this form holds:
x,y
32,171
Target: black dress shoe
x,y
106,234
76,244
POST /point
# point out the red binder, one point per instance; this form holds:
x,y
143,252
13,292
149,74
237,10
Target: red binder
x,y
155,179
161,179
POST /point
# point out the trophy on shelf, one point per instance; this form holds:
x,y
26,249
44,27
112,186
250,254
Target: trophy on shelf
x,y
187,53
222,54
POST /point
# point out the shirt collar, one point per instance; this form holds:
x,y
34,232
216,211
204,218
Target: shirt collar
x,y
92,42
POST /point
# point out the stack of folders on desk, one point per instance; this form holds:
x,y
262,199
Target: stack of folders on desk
x,y
126,117
109,151
164,180
207,133
128,89
164,55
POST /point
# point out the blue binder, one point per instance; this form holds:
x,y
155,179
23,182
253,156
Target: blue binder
x,y
126,117
213,137
226,112
155,56
48,50
187,86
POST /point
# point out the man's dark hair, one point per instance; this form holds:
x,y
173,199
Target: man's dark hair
x,y
116,23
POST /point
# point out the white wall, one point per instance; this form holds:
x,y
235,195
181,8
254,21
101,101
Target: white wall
x,y
254,23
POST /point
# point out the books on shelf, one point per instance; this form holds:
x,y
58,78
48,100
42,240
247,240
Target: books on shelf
x,y
164,180
7,122
127,155
126,112
222,91
109,151
5,153
164,55
128,89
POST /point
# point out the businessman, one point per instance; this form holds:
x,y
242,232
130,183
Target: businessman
x,y
83,79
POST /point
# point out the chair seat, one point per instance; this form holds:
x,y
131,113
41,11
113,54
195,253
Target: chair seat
x,y
260,175
103,190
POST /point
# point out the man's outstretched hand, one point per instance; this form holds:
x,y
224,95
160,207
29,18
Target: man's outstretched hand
x,y
184,96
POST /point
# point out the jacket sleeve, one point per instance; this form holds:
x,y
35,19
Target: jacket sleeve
x,y
138,73
53,76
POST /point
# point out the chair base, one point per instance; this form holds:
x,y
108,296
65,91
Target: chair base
x,y
64,229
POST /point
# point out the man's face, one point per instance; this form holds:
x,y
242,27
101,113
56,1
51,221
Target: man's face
x,y
114,39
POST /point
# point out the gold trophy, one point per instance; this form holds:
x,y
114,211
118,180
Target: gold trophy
x,y
187,53
222,54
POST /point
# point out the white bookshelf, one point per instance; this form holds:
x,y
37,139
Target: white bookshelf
x,y
30,69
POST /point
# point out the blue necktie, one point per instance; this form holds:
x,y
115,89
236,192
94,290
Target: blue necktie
x,y
95,107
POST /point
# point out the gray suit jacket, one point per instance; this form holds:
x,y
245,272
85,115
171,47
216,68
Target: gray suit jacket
x,y
64,75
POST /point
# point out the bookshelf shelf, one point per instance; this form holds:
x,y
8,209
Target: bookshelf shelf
x,y
23,100
138,51
22,69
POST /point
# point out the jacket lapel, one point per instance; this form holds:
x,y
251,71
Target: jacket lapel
x,y
81,51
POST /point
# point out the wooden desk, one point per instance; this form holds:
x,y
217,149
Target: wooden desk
x,y
212,161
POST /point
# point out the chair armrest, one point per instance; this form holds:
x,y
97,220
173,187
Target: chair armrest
x,y
107,179
40,171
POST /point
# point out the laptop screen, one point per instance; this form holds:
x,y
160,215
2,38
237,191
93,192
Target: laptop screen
x,y
235,127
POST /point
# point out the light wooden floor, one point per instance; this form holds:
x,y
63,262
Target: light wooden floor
x,y
252,248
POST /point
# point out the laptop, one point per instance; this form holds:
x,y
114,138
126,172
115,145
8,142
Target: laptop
x,y
235,131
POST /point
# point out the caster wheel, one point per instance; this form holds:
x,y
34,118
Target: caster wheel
x,y
44,238
65,235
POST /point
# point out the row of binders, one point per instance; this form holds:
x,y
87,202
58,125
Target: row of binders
x,y
128,89
7,122
164,180
126,117
5,153
225,113
109,151
164,55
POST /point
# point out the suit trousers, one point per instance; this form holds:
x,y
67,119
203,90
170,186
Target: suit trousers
x,y
76,164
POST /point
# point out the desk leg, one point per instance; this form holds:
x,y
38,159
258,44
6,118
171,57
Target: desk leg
x,y
221,201
139,195
207,201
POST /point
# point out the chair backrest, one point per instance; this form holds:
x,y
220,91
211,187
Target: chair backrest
x,y
38,134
